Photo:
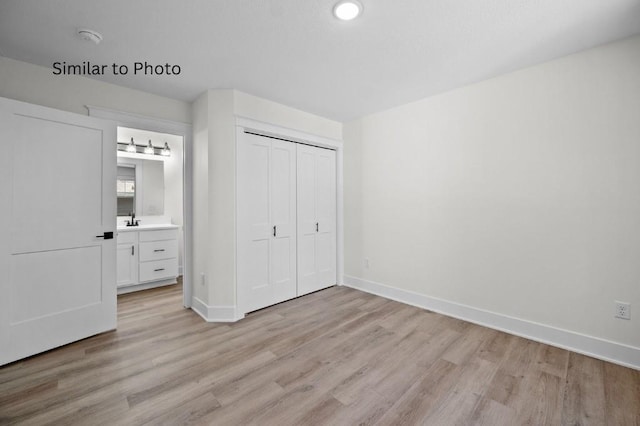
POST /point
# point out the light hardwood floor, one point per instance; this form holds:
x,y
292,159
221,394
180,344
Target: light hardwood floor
x,y
336,357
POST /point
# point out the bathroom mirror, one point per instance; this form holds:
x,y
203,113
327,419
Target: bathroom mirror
x,y
126,189
140,187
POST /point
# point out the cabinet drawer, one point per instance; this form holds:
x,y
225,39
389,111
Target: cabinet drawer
x,y
163,234
127,237
158,270
158,250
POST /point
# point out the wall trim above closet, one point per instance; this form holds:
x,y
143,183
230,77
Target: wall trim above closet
x,y
293,135
244,124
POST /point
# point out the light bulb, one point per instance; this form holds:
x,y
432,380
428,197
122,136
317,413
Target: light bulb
x,y
131,147
166,151
149,148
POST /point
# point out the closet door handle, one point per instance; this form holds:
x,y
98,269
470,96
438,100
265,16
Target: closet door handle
x,y
133,250
316,226
157,250
274,230
158,270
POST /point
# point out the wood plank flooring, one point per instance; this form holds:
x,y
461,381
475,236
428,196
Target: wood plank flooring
x,y
336,357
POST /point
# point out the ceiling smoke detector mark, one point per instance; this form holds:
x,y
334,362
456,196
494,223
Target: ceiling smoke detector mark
x,y
347,10
90,35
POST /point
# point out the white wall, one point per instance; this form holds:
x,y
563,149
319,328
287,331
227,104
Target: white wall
x,y
214,115
519,195
200,193
260,109
37,85
352,190
173,189
222,199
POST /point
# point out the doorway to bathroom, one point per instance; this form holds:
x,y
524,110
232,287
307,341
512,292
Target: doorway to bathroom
x,y
153,203
150,211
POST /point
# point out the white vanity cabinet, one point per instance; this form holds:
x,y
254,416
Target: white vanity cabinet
x,y
127,259
147,257
158,255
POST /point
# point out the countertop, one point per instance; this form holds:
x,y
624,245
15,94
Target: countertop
x,y
149,227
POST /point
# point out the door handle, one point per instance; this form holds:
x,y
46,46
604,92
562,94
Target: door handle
x,y
316,226
133,250
157,250
274,230
106,236
158,270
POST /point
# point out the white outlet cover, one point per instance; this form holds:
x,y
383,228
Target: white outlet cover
x,y
623,310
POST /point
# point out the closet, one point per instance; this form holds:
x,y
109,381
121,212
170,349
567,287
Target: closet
x,y
286,220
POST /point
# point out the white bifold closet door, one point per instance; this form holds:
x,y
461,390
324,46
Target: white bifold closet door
x,y
316,218
266,263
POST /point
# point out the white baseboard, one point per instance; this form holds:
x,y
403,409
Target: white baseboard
x,y
616,353
146,286
215,313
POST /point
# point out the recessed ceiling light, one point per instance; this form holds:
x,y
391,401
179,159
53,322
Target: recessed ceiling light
x,y
347,10
90,35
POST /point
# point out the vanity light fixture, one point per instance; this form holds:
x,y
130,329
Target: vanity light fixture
x,y
131,147
149,149
166,151
346,10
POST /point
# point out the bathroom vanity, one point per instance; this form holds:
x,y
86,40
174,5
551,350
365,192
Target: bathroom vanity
x,y
147,256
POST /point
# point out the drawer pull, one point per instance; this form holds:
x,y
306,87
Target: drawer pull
x,y
155,251
158,270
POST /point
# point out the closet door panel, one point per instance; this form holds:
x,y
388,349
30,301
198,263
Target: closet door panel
x,y
326,217
316,219
283,219
306,219
254,224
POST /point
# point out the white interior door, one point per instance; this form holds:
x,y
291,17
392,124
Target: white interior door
x,y
316,209
266,260
57,271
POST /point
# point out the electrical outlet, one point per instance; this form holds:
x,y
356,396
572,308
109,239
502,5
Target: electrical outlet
x,y
623,310
366,262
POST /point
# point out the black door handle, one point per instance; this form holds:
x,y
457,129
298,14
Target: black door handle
x,y
316,226
106,236
274,230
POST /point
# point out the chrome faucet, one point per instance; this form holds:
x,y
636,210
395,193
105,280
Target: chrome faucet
x,y
133,221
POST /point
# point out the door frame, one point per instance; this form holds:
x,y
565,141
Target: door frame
x,y
136,121
296,136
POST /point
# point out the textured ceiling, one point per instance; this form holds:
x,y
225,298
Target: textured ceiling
x,y
296,53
